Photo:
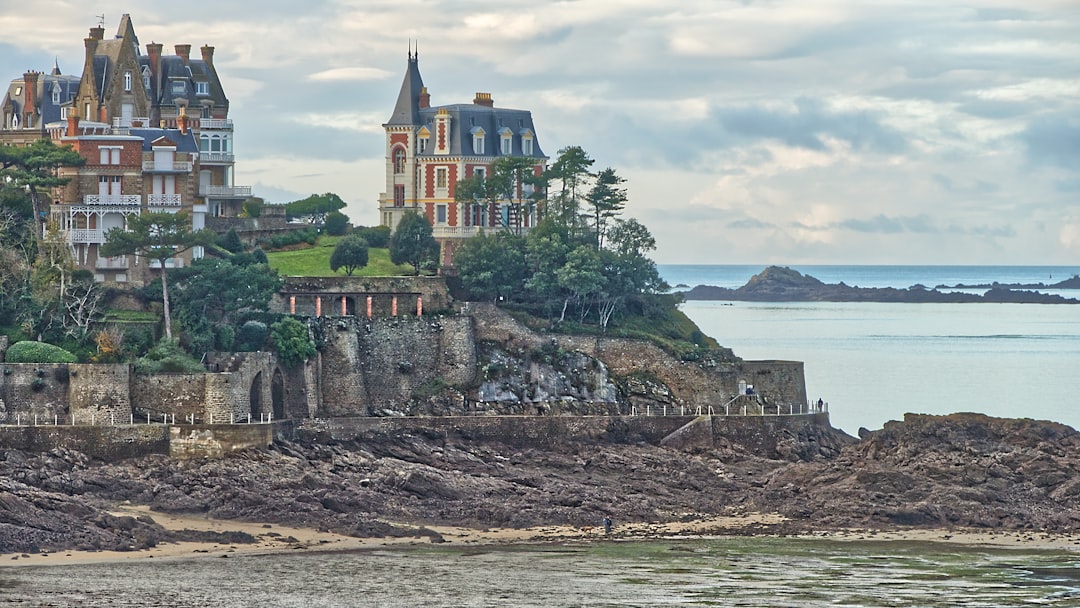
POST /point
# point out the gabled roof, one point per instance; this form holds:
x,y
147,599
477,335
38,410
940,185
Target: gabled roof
x,y
407,109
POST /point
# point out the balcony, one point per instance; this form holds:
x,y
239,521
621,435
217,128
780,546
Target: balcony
x,y
224,124
137,122
217,157
457,231
163,200
113,200
117,263
176,166
225,191
86,235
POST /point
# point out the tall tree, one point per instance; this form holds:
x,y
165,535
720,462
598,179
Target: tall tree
x,y
351,253
570,174
34,168
412,242
492,266
314,208
157,236
607,198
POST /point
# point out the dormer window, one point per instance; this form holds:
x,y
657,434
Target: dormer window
x,y
421,145
178,87
202,87
526,142
146,79
56,94
477,140
506,141
127,81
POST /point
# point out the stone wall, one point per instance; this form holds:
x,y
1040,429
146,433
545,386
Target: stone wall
x,y
29,390
104,442
179,395
100,391
368,366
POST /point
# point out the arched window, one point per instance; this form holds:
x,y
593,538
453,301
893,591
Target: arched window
x,y
399,160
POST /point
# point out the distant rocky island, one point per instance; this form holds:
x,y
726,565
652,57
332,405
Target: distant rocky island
x,y
782,284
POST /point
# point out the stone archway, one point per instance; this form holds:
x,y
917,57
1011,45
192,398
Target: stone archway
x,y
277,394
255,395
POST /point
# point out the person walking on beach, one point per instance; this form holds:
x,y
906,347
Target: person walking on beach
x,y
607,526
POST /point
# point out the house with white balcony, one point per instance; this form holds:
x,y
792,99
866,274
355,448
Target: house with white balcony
x,y
127,172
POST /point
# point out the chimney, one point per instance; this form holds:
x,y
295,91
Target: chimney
x,y
91,47
184,52
425,98
30,81
153,50
97,33
207,54
182,121
484,99
73,123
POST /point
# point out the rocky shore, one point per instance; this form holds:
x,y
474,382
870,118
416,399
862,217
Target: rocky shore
x,y
779,284
964,471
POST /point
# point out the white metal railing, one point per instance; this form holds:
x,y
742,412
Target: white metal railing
x,y
215,123
112,199
224,191
138,122
163,200
182,166
444,231
111,419
216,157
86,235
117,263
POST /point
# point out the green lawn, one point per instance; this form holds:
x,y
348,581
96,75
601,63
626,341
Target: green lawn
x,y
315,262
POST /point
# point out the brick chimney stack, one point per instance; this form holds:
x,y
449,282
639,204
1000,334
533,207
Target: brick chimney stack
x,y
96,34
425,98
30,80
484,99
207,54
153,50
184,52
73,124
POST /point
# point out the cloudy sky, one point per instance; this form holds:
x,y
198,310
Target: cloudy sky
x,y
790,132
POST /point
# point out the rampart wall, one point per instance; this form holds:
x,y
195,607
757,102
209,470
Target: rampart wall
x,y
436,297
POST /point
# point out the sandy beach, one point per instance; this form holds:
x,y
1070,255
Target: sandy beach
x,y
276,539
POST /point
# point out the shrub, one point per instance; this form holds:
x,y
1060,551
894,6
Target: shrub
x,y
168,357
253,207
230,241
259,256
38,352
337,223
252,336
376,236
291,341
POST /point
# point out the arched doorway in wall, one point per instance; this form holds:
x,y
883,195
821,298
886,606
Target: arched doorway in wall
x,y
255,395
277,393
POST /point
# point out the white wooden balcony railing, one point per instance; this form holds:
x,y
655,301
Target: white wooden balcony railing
x,y
163,200
113,200
176,166
137,122
86,235
216,157
225,191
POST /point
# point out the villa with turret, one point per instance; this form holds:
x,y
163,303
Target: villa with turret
x,y
429,149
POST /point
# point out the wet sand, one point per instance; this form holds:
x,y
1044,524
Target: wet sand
x,y
277,539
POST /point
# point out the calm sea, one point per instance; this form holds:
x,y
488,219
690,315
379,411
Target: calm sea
x,y
714,572
874,362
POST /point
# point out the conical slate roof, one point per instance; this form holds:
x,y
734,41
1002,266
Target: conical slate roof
x,y
407,110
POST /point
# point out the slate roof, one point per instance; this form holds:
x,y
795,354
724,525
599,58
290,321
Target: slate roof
x,y
184,143
406,111
173,70
464,117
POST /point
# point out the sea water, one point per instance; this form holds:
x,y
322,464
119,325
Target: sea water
x,y
756,571
873,362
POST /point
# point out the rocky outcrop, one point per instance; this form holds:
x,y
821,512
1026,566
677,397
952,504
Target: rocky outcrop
x,y
779,284
964,470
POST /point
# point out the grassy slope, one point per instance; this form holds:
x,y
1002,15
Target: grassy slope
x,y
315,261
